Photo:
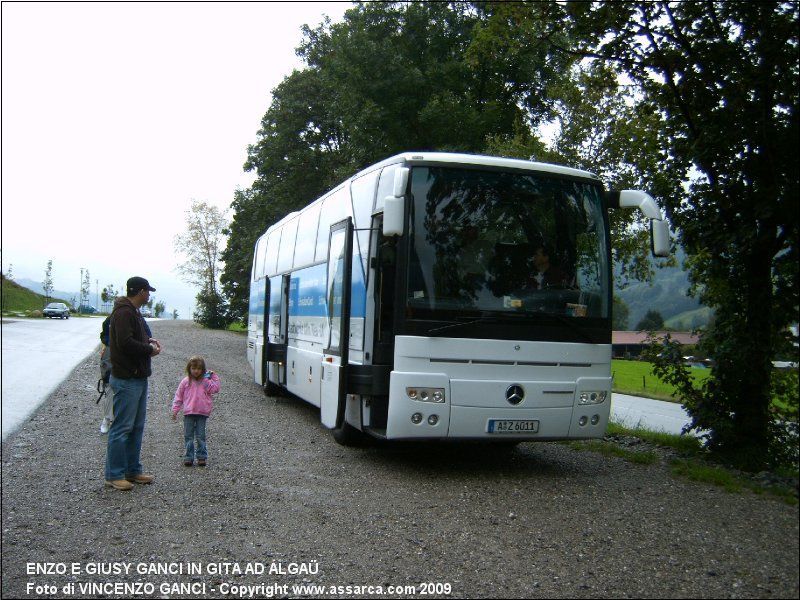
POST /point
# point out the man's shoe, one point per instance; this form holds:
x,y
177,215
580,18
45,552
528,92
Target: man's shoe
x,y
188,463
201,462
119,484
140,478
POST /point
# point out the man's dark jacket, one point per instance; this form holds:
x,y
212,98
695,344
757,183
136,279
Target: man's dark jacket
x,y
129,342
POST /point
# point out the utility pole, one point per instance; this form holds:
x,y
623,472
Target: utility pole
x,y
80,294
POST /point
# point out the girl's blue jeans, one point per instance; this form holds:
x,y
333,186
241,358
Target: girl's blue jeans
x,y
194,429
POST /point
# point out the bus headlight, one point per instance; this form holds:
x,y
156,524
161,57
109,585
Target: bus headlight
x,y
592,397
426,394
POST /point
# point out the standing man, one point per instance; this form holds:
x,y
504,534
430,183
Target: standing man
x,y
131,349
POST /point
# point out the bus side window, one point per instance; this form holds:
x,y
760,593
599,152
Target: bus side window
x,y
260,254
385,186
286,251
306,237
271,253
363,193
334,208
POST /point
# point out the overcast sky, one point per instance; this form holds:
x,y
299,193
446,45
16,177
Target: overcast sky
x,y
115,116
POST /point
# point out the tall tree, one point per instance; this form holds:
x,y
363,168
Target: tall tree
x,y
109,294
724,77
652,321
86,286
390,77
620,313
201,245
47,284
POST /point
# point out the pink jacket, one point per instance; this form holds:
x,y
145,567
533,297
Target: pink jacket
x,y
194,397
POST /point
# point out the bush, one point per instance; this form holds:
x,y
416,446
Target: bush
x,y
212,310
36,314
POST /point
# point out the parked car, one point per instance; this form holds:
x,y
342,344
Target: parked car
x,y
56,309
146,312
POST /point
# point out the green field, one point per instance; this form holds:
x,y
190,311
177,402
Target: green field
x,y
21,300
636,378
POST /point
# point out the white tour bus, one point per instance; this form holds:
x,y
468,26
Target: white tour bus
x,y
445,296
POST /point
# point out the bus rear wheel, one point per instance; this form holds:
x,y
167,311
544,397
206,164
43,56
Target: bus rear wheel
x,y
273,389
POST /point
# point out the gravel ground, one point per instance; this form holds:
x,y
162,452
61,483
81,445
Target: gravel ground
x,y
280,495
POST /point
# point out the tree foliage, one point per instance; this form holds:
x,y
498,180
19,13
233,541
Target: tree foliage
x,y
86,286
724,78
652,321
620,313
109,293
395,77
47,284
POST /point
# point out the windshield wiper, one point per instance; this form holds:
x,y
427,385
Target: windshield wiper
x,y
483,319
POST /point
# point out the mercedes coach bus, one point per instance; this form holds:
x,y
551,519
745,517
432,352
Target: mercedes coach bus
x,y
445,296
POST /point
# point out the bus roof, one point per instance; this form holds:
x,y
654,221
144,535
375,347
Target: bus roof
x,y
411,158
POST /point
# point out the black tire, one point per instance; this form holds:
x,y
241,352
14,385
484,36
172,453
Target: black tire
x,y
347,435
273,389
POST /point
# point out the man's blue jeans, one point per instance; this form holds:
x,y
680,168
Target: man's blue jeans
x,y
127,429
194,428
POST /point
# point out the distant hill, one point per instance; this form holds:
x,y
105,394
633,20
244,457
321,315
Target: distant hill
x,y
667,295
36,286
686,321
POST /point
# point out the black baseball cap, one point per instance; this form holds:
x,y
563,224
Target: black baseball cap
x,y
136,284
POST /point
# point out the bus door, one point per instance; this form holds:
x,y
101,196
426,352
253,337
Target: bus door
x,y
335,354
257,329
277,333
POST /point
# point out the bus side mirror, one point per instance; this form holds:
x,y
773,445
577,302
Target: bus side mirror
x,y
393,215
394,207
659,228
400,181
659,237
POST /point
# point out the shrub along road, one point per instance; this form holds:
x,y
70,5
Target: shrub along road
x,y
540,520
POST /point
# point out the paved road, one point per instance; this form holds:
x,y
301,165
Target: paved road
x,y
37,355
655,415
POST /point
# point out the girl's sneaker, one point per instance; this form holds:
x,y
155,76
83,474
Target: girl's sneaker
x,y
105,425
188,463
201,462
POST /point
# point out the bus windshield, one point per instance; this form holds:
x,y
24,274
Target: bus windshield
x,y
507,244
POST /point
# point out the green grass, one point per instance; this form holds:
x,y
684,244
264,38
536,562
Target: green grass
x,y
21,300
712,474
636,378
691,462
608,449
685,444
237,327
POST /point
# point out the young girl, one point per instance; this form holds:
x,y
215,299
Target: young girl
x,y
194,397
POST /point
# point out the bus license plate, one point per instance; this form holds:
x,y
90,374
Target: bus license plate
x,y
512,426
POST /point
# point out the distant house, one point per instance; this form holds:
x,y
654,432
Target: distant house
x,y
629,344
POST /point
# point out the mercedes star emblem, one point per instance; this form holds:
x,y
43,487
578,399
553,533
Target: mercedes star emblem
x,y
515,394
